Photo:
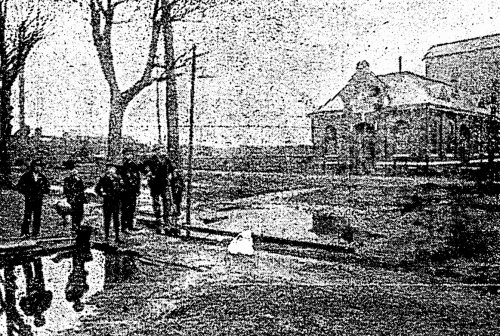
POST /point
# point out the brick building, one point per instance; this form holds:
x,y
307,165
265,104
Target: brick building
x,y
376,119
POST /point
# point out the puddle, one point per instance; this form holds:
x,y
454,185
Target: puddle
x,y
277,220
50,294
44,295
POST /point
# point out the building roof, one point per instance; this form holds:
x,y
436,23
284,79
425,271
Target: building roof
x,y
464,46
407,88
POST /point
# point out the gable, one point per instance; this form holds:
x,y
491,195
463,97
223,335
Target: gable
x,y
363,91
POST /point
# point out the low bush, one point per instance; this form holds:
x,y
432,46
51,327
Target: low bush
x,y
472,237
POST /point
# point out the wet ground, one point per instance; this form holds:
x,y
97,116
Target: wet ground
x,y
265,215
193,289
157,285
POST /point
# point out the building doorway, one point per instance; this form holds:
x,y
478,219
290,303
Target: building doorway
x,y
464,143
331,141
363,150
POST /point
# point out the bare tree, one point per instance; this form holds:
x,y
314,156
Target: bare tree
x,y
163,12
18,37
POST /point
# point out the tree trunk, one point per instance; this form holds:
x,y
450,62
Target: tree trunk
x,y
171,106
118,107
5,116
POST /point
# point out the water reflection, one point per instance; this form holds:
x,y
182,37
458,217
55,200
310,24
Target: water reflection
x,y
50,294
119,268
37,299
15,323
44,295
77,284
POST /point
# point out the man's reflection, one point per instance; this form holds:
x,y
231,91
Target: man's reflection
x,y
77,284
15,323
77,281
37,299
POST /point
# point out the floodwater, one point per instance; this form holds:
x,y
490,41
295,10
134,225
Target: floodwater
x,y
269,215
213,293
44,295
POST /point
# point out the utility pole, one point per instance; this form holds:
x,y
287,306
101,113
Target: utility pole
x,y
22,111
158,117
492,131
22,95
190,150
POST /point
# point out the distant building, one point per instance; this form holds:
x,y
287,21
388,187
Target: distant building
x,y
375,119
473,63
55,150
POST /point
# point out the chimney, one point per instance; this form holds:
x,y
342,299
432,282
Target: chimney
x,y
400,63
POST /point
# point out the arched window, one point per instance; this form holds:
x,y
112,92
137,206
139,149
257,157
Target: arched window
x,y
450,137
364,127
331,133
401,132
331,140
434,136
464,133
464,142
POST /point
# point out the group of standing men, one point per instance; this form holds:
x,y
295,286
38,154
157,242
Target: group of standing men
x,y
119,187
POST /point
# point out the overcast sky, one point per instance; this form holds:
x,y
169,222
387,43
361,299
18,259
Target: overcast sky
x,y
266,60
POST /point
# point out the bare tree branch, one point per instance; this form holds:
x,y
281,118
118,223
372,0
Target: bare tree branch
x,y
122,22
28,33
102,20
145,80
99,4
118,3
17,40
102,41
180,11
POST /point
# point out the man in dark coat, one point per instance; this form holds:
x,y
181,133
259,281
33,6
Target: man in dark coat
x,y
131,178
109,188
33,185
159,171
74,190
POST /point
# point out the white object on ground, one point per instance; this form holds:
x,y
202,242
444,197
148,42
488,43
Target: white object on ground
x,y
63,207
56,190
242,244
91,195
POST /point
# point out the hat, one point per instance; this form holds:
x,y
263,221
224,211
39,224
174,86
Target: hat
x,y
160,149
36,162
114,165
70,164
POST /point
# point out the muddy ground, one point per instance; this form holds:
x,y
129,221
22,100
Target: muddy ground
x,y
425,265
443,226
